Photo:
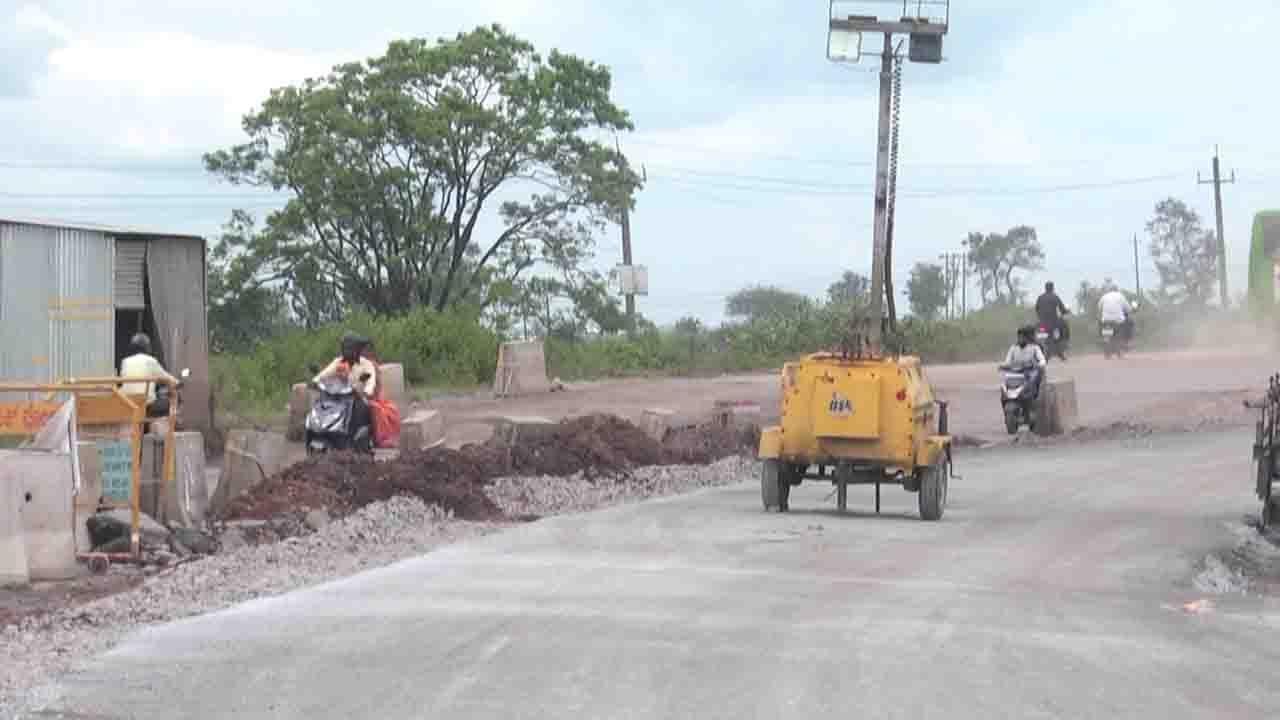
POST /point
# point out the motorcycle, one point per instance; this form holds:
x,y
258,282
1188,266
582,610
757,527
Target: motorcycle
x,y
1051,341
1113,339
1017,399
159,409
328,424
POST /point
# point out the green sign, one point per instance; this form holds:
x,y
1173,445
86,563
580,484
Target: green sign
x,y
117,469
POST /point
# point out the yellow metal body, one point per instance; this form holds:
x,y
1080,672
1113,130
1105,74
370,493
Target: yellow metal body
x,y
877,412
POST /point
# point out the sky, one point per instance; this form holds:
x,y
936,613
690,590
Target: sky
x,y
1073,117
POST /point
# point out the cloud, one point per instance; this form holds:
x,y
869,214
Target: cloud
x,y
26,41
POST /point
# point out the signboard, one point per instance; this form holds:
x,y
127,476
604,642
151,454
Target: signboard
x,y
26,418
632,279
117,469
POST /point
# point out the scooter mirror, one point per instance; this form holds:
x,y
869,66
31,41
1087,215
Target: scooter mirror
x,y
186,373
314,369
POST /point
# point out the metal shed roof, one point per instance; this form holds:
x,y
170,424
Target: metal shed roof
x,y
95,227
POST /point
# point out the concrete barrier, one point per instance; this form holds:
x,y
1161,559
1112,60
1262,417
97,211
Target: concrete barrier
x,y
13,539
522,369
271,449
1059,409
656,422
240,471
90,494
736,414
186,502
47,490
301,398
509,428
393,386
421,429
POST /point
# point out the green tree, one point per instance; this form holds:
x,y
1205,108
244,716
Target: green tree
x,y
852,289
926,290
391,163
999,258
244,308
1185,253
760,302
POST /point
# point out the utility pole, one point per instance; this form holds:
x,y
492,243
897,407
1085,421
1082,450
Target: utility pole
x,y
1137,277
626,261
1222,241
964,285
844,43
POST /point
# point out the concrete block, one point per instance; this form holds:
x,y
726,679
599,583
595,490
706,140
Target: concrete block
x,y
656,422
301,398
47,495
736,414
421,429
13,539
1058,408
270,449
393,387
240,471
522,369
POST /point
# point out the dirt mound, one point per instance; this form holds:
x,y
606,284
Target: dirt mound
x,y
596,446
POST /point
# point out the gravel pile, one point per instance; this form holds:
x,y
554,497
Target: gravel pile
x,y
525,497
376,535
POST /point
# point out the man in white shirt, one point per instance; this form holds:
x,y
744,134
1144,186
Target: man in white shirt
x,y
1114,308
142,364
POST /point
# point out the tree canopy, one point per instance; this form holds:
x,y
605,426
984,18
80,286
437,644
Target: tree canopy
x,y
926,290
1185,253
999,258
392,163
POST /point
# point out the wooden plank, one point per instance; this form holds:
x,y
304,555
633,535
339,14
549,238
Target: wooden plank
x,y
105,409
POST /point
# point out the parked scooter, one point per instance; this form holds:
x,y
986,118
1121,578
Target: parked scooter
x,y
159,408
329,426
1018,398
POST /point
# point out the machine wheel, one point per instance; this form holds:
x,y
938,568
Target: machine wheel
x,y
770,485
933,490
1011,419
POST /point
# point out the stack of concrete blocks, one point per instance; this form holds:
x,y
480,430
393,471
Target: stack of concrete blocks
x,y
1058,408
422,429
250,458
509,429
522,369
37,520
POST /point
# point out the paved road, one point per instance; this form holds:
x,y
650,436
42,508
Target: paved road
x,y
1108,390
1053,588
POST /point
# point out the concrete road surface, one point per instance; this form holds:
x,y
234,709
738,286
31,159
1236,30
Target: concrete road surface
x,y
1053,588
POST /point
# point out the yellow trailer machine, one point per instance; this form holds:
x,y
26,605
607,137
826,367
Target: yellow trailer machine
x,y
858,421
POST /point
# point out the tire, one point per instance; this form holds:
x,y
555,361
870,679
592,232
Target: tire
x,y
933,490
1011,419
770,484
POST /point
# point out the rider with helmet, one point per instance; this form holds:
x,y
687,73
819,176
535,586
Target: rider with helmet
x,y
1026,356
142,364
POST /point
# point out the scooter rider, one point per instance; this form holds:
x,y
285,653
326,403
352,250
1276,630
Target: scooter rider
x,y
361,372
1052,313
1114,308
1026,356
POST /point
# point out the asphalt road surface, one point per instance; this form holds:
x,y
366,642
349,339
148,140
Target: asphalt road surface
x,y
1054,587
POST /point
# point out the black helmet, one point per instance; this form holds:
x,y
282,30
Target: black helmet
x,y
352,344
1026,331
140,343
1048,287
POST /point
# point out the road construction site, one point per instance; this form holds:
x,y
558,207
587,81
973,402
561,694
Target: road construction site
x,y
1117,568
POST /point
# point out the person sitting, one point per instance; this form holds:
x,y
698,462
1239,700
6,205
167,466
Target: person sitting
x,y
1114,309
360,372
1025,356
142,364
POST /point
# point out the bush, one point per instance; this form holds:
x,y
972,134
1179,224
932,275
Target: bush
x,y
437,350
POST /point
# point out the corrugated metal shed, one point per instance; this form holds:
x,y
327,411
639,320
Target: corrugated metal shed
x,y
130,274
